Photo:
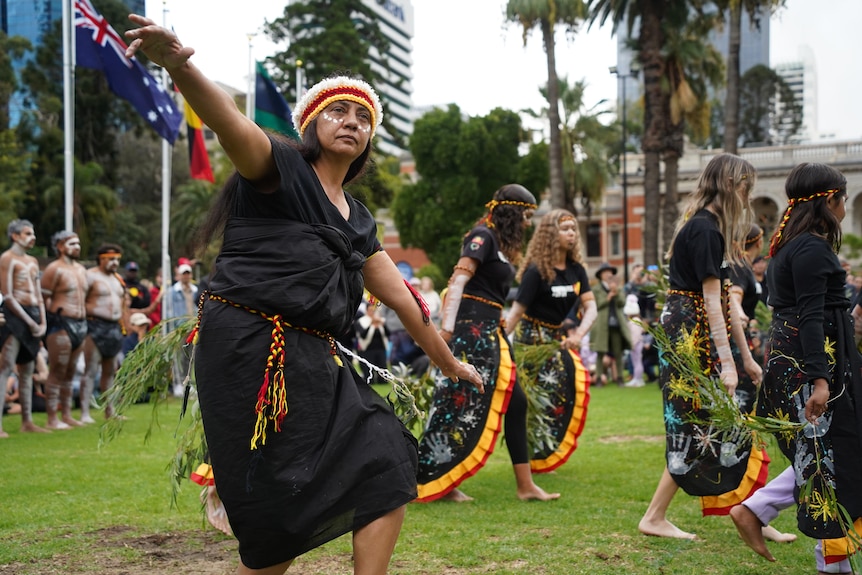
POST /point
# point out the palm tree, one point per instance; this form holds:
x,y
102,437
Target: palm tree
x,y
586,140
692,65
734,9
649,44
546,14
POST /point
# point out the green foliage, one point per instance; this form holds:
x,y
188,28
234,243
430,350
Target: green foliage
x,y
529,360
14,165
327,37
768,112
11,48
381,182
460,161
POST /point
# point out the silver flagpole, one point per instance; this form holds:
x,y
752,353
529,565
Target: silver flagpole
x,y
167,269
68,115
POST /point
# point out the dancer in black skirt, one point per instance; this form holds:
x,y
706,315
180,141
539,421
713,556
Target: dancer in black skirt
x,y
302,449
555,305
700,460
813,370
463,426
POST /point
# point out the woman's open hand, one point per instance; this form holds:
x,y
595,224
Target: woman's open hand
x,y
160,45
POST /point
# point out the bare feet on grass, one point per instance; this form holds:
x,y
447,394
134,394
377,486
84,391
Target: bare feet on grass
x,y
72,422
750,530
770,533
30,427
536,493
457,496
664,528
3,435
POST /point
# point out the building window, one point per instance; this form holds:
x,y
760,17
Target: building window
x,y
615,243
594,240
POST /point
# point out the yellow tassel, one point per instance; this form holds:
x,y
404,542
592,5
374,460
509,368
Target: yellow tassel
x,y
338,361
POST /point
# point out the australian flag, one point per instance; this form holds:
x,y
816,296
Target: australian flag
x,y
99,47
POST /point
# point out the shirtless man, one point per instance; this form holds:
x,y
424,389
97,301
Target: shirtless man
x,y
64,287
25,317
106,304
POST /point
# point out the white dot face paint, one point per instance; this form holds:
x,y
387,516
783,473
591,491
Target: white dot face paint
x,y
334,120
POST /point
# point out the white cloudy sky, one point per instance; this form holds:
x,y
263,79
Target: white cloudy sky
x,y
464,53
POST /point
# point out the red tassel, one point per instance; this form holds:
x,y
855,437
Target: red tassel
x,y
426,312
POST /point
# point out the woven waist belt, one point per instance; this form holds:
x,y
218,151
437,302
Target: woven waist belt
x,y
482,300
541,323
272,397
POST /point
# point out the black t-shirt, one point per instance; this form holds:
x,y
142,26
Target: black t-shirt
x,y
742,276
552,302
495,274
698,253
140,294
805,277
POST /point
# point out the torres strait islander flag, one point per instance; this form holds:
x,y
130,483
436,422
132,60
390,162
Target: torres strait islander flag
x,y
199,161
99,47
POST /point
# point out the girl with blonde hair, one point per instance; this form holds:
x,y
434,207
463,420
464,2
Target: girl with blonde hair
x,y
705,241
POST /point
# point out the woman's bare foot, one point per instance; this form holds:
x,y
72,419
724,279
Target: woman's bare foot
x,y
457,496
664,528
86,419
72,422
536,493
216,513
30,427
750,530
3,435
770,533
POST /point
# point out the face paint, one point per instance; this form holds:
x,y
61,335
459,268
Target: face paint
x,y
328,118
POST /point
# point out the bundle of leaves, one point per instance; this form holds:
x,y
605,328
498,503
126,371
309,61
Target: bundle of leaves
x,y
530,359
707,392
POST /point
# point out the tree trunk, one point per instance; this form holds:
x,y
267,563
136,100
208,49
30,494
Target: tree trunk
x,y
651,12
731,103
555,154
670,209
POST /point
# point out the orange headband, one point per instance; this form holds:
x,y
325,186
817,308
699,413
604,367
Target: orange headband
x,y
110,255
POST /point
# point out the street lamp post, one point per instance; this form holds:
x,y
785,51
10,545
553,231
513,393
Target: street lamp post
x,y
633,73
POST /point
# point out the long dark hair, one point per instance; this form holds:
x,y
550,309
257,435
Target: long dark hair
x,y
808,186
309,148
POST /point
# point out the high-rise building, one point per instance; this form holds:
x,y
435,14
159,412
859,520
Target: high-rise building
x,y
801,77
32,19
396,67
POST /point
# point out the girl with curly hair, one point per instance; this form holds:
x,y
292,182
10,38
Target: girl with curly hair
x,y
555,305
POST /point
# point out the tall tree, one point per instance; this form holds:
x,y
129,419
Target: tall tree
x,y
587,140
546,15
329,36
769,112
648,46
11,48
733,10
693,66
460,161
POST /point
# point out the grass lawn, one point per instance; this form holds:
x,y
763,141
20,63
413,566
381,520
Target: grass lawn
x,y
69,507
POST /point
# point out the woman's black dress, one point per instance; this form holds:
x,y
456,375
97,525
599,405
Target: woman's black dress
x,y
812,337
288,278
